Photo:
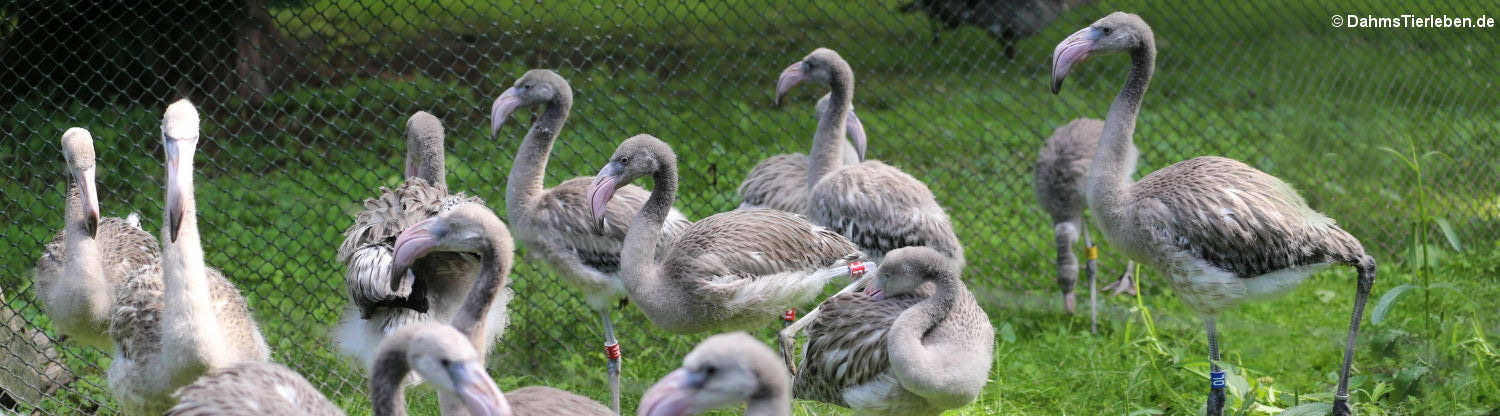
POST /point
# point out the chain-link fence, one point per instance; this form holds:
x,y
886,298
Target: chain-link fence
x,y
304,103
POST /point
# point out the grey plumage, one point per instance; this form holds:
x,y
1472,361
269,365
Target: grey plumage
x,y
252,389
731,270
1222,231
877,206
547,401
920,345
177,318
77,288
780,182
881,208
440,280
436,351
556,224
1059,180
723,370
255,388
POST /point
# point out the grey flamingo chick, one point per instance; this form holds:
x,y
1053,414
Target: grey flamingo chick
x,y
902,213
1222,231
877,206
724,370
436,284
915,343
475,229
555,224
176,320
731,270
780,182
86,262
443,356
1061,169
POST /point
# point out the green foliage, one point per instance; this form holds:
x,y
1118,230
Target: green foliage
x,y
279,182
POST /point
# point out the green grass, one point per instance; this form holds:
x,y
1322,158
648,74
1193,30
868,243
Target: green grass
x,y
1269,84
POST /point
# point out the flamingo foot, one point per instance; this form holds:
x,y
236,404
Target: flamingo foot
x,y
1125,285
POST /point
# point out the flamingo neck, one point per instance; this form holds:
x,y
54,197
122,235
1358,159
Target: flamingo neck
x,y
530,167
425,159
829,141
773,400
84,269
495,264
1114,160
387,394
192,326
638,268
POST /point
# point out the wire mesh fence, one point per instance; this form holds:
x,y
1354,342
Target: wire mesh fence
x,y
304,103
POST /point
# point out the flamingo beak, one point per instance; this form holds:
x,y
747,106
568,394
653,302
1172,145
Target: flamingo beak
x,y
413,243
789,78
1072,50
856,134
89,195
673,395
478,391
505,104
179,180
602,189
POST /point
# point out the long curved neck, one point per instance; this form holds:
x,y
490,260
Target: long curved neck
x,y
426,159
192,329
1109,177
826,154
387,394
83,264
638,268
471,318
774,400
906,340
530,166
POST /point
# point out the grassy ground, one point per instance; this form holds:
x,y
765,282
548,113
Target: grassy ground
x,y
1270,84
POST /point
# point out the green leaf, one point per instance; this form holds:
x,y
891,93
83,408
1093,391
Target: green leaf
x,y
1383,306
1409,163
1309,409
1007,333
1448,233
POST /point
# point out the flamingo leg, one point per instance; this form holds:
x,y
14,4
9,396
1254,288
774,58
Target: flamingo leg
x,y
787,337
1091,268
612,352
1215,374
1366,282
1126,283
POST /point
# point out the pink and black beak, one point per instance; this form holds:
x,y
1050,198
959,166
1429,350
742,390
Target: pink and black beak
x,y
179,181
789,78
602,189
875,290
674,394
413,243
856,134
478,391
1072,50
89,196
505,104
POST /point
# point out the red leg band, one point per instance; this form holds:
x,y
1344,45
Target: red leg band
x,y
856,269
612,351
